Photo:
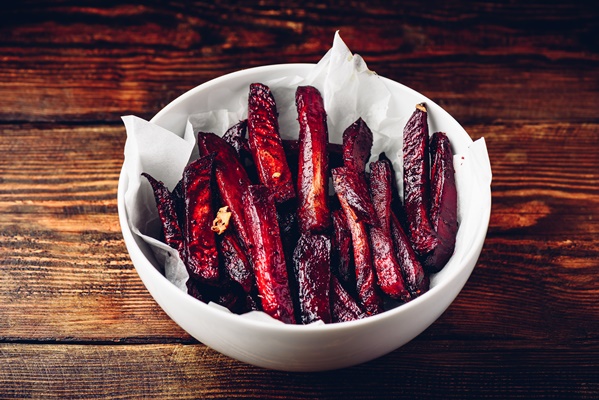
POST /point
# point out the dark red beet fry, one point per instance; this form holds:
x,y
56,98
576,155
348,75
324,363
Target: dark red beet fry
x,y
231,178
312,182
415,278
386,265
443,209
266,145
266,253
312,260
342,248
368,292
416,182
236,137
200,241
235,261
357,143
167,211
357,196
343,306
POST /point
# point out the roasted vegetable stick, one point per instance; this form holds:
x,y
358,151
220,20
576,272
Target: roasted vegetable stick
x,y
266,253
231,178
358,197
342,248
312,260
444,199
167,211
386,265
357,143
343,306
367,290
312,182
416,279
236,137
235,261
266,145
416,182
200,242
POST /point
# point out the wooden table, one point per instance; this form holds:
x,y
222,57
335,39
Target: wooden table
x,y
75,319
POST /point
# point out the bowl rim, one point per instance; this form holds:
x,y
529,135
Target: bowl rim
x,y
319,328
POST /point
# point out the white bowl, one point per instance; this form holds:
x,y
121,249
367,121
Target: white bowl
x,y
312,347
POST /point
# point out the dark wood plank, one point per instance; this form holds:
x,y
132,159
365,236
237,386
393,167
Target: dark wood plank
x,y
485,62
475,369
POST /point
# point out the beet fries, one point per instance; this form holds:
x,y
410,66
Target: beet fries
x,y
312,260
266,145
312,179
231,178
386,265
267,254
299,253
200,242
368,292
417,182
444,217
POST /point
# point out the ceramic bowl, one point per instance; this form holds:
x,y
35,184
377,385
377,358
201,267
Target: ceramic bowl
x,y
313,347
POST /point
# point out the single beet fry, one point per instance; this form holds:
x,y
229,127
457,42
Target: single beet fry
x,y
167,211
366,287
357,144
444,197
231,178
266,145
266,253
357,194
416,182
386,265
342,248
312,260
312,181
235,261
343,306
236,137
200,242
416,279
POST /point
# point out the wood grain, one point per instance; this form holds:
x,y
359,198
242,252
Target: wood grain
x,y
185,371
65,63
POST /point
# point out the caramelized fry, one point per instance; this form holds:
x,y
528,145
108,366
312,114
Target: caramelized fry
x,y
266,145
444,217
235,262
342,249
357,143
343,306
368,294
312,181
236,137
266,253
200,242
231,178
416,182
357,195
416,280
312,260
387,267
167,211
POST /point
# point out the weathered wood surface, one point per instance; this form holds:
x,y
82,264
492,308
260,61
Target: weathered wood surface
x,y
76,321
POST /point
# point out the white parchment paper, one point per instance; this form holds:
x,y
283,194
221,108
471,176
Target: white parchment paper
x,y
350,90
